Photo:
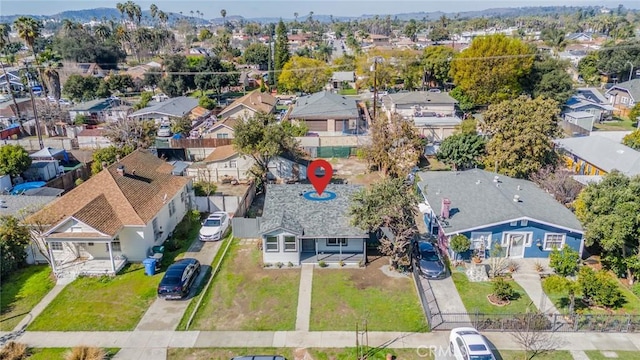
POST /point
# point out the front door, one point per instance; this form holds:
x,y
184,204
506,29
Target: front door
x,y
309,245
516,245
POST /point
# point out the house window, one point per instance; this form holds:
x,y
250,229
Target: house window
x,y
624,100
156,229
336,242
233,164
552,241
513,223
90,244
55,246
272,244
524,222
222,136
290,243
115,246
172,207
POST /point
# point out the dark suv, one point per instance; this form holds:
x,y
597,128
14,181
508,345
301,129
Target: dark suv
x,y
429,261
179,278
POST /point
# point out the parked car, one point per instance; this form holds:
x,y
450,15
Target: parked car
x,y
259,357
466,343
429,261
214,227
164,130
178,279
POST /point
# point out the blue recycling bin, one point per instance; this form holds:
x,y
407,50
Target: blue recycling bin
x,y
149,266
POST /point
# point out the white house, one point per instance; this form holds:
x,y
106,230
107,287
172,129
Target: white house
x,y
116,216
101,110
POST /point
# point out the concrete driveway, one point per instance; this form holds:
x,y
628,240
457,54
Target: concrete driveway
x,y
166,314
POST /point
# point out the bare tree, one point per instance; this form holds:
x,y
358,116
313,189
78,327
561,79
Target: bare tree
x,y
51,115
498,262
558,182
533,338
38,226
133,133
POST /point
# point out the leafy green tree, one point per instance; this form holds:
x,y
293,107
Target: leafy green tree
x,y
390,203
459,244
145,97
262,138
207,103
490,69
81,119
464,102
14,160
437,63
521,133
205,34
295,130
588,68
107,156
81,88
439,33
634,114
281,48
549,78
181,125
411,29
120,83
258,54
14,238
304,74
78,45
632,140
502,289
463,151
609,212
599,288
564,262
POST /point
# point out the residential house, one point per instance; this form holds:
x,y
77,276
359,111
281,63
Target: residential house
x,y
162,110
579,37
115,216
222,129
436,128
85,69
101,110
15,80
624,96
329,114
8,108
491,210
343,80
249,105
378,40
574,56
589,100
297,227
137,72
582,119
598,155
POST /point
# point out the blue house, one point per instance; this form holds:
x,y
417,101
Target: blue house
x,y
490,209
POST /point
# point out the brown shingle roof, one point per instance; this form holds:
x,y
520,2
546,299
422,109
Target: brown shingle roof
x,y
221,153
228,122
254,100
108,201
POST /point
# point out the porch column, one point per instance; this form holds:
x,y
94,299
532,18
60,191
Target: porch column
x,y
53,261
113,264
340,242
315,241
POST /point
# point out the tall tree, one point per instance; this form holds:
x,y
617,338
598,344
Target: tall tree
x,y
304,74
29,30
51,63
462,150
14,160
14,238
281,47
490,69
437,63
258,54
391,203
131,134
5,29
521,133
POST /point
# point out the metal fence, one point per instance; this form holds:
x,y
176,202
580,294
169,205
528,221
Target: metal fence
x,y
541,322
424,298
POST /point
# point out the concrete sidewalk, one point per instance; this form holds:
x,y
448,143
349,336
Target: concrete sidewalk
x,y
304,298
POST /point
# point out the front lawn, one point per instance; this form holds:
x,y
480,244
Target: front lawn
x,y
519,355
474,296
345,298
290,353
246,296
21,291
59,353
621,355
561,301
348,92
620,124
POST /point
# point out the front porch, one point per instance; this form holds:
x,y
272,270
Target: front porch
x,y
331,258
90,267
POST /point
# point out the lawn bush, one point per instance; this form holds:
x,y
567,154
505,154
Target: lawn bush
x,y
13,351
636,289
564,262
85,353
459,244
554,284
502,289
599,288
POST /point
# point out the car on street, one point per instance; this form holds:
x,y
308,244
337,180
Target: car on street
x,y
429,260
214,227
178,279
466,343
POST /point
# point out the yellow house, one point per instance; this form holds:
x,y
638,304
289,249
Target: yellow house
x,y
598,155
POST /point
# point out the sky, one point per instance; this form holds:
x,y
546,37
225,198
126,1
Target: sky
x,y
286,9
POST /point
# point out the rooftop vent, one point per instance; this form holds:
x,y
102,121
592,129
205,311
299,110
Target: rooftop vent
x,y
516,198
496,178
519,188
120,170
478,182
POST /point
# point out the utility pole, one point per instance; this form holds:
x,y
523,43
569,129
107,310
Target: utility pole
x,y
374,68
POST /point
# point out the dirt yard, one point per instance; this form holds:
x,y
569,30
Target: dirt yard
x,y
354,171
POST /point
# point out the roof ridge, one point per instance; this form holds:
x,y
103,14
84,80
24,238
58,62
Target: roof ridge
x,y
121,193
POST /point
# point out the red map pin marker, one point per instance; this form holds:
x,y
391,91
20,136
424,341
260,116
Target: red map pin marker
x,y
319,182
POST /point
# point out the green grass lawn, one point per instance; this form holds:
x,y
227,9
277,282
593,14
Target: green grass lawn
x,y
622,355
288,353
21,291
561,301
519,355
58,353
246,296
344,298
620,125
474,296
348,92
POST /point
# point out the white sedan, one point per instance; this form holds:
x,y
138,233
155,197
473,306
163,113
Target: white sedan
x,y
466,343
214,227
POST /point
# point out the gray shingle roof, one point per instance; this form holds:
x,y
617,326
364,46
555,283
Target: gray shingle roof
x,y
286,208
418,98
97,105
477,201
177,107
632,86
15,204
603,152
325,105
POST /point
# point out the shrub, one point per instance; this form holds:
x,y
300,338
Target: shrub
x,y
79,181
85,353
459,244
13,351
554,284
207,103
538,266
502,289
279,265
204,188
599,288
564,262
636,289
322,264
289,264
80,120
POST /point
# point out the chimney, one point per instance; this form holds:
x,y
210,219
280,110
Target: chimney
x,y
120,170
446,206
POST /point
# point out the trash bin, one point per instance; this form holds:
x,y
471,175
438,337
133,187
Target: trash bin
x,y
149,266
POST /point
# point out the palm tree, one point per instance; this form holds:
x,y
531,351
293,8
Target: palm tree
x,y
153,9
121,7
5,29
102,32
133,11
223,13
163,17
51,62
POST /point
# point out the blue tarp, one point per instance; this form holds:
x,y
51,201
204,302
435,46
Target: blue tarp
x,y
177,136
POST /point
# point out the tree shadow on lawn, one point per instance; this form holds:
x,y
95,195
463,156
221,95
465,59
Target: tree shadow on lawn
x,y
11,287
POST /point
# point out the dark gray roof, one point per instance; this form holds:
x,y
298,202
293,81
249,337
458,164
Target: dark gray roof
x,y
176,107
418,98
478,201
285,208
97,105
632,86
603,152
325,105
22,205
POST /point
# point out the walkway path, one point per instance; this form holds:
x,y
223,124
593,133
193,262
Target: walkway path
x,y
532,285
304,298
46,300
166,315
